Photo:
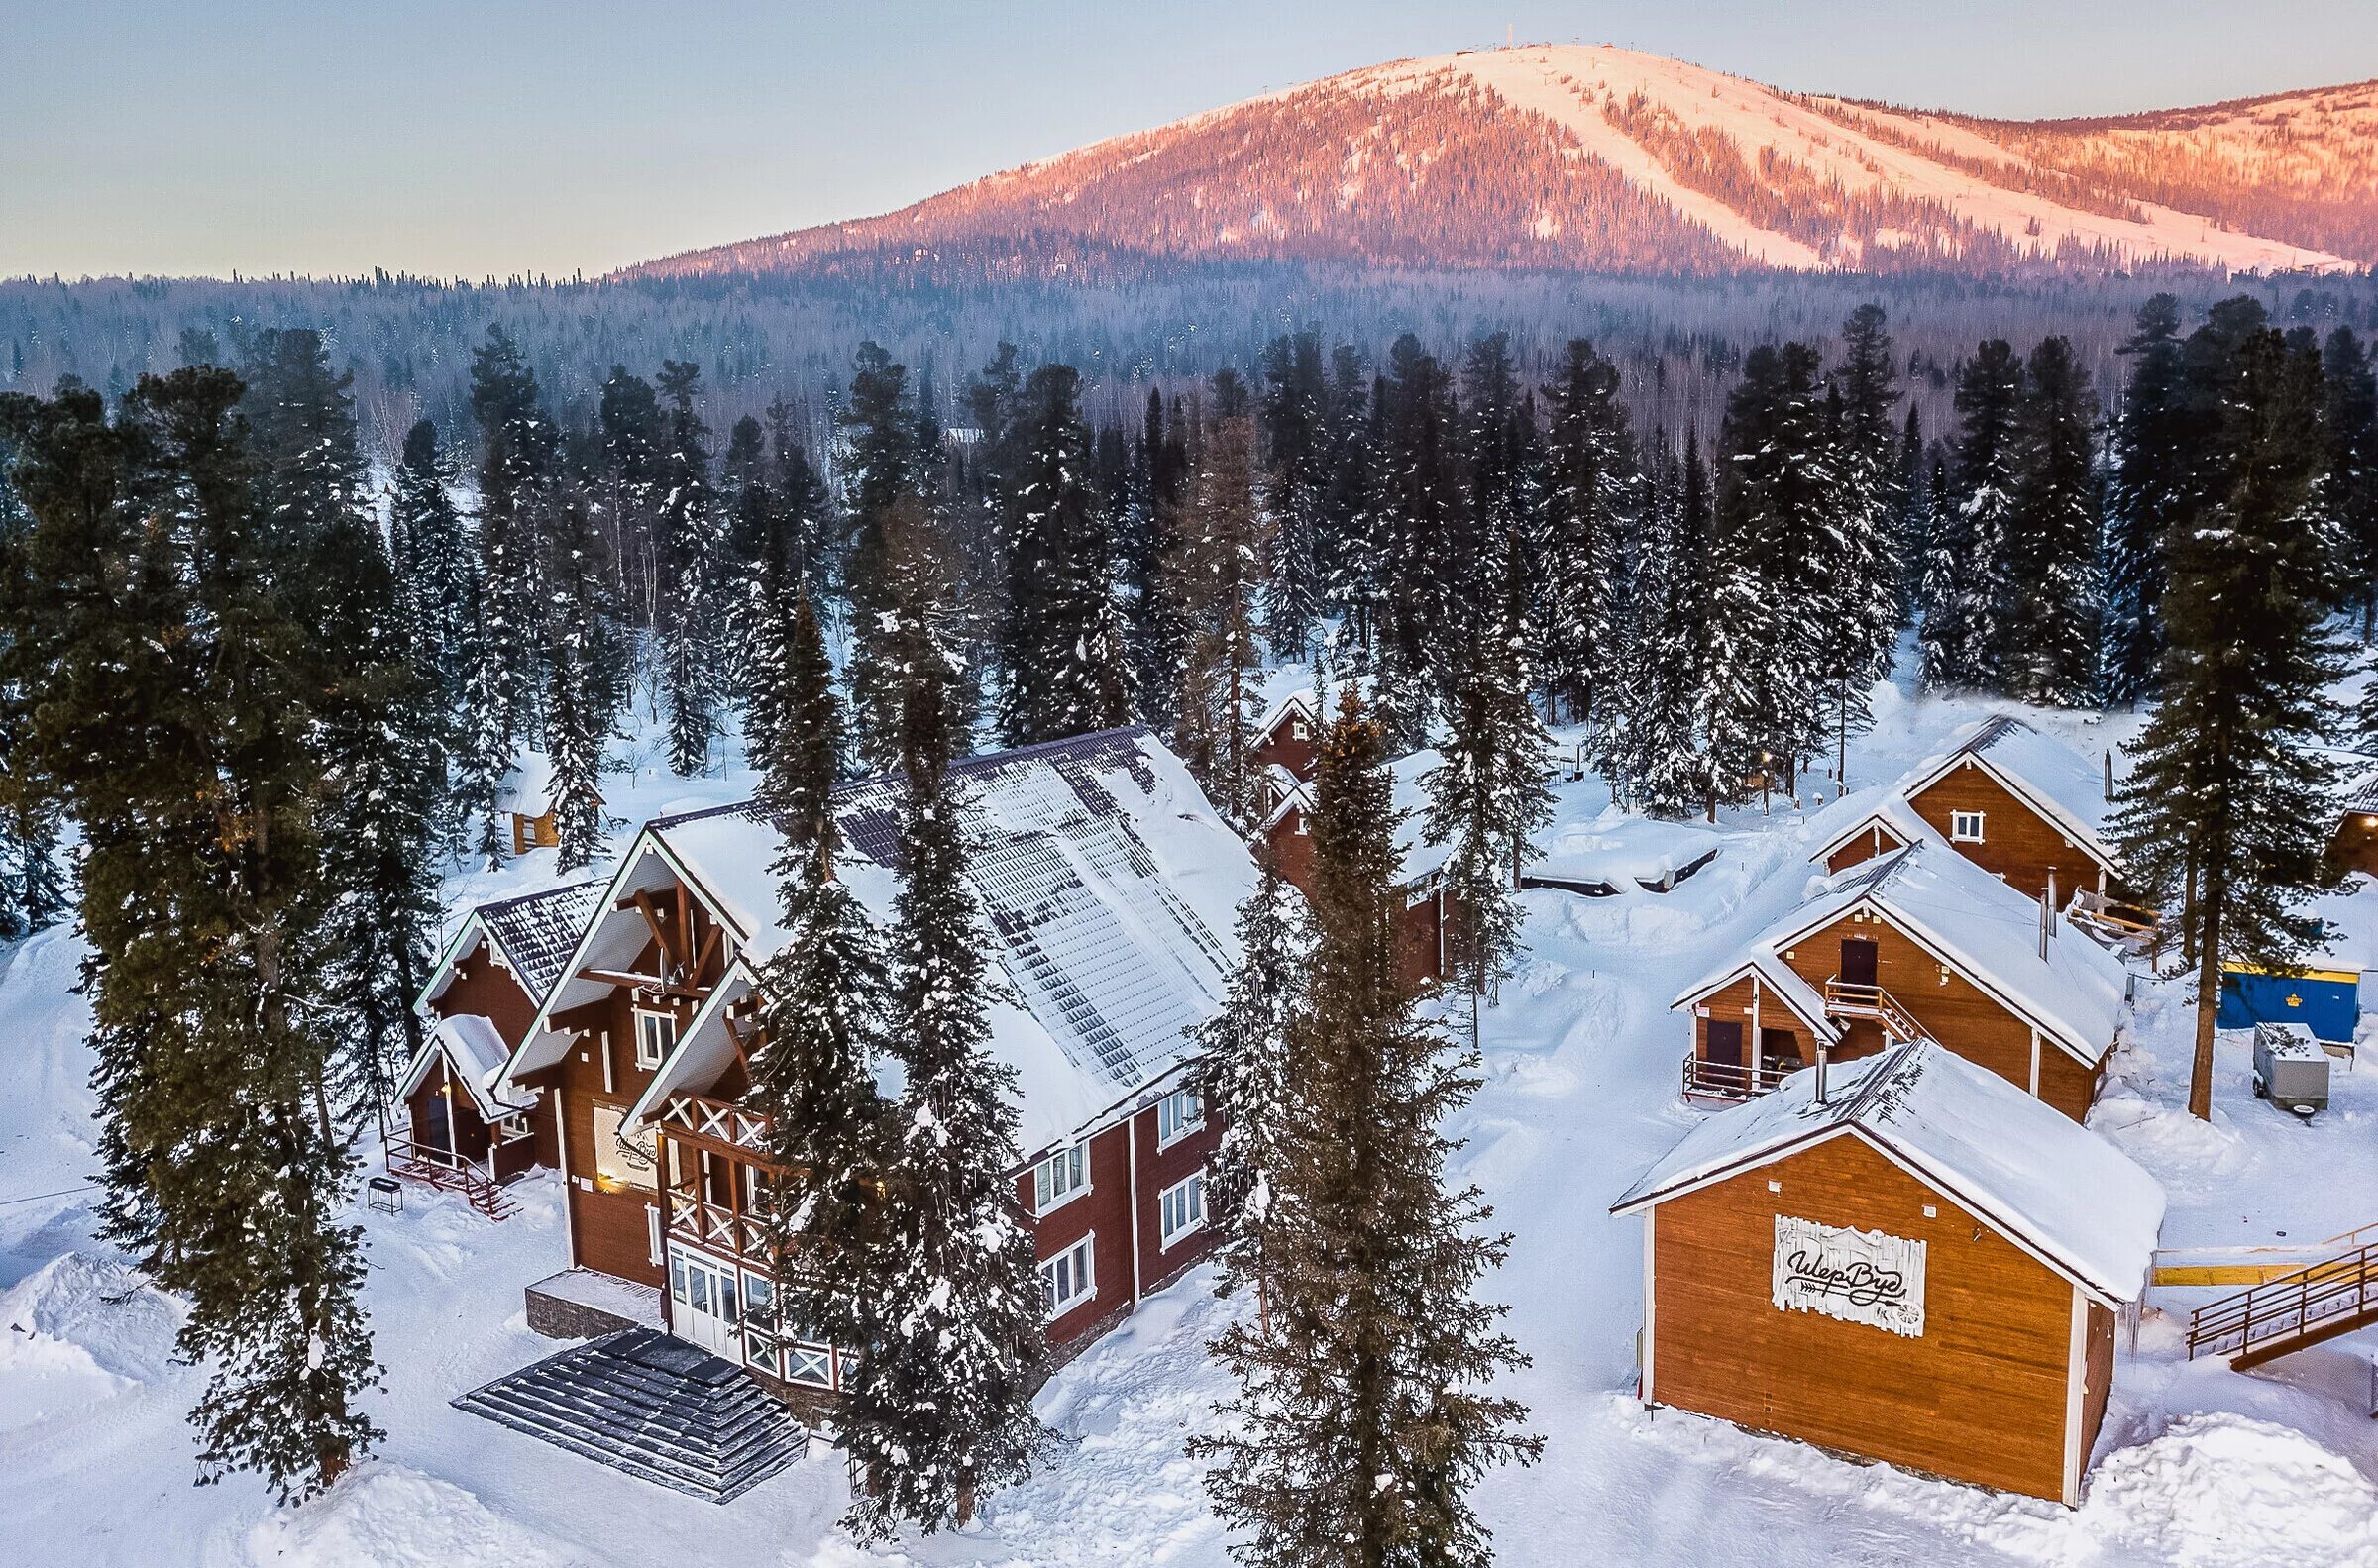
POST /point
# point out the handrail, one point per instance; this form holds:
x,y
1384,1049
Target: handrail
x,y
1864,999
2137,919
1731,1079
479,1188
2345,1286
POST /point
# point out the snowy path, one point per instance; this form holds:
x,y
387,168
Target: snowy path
x,y
2197,1465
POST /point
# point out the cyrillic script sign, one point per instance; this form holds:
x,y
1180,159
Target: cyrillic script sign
x,y
1857,1276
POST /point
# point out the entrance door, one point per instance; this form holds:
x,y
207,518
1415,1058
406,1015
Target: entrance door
x,y
1857,961
437,1124
704,1307
1725,1044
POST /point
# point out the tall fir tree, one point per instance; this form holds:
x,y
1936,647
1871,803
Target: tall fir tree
x,y
580,713
1361,1418
938,1410
1969,571
1247,1074
172,681
2352,384
433,565
1667,769
1420,521
882,469
1296,462
1217,591
2226,809
2145,484
1147,542
693,552
2052,644
518,468
1572,568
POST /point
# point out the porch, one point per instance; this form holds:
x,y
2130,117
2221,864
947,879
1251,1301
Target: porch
x,y
1718,1066
478,1181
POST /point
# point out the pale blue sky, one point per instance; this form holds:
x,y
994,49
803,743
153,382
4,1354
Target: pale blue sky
x,y
455,138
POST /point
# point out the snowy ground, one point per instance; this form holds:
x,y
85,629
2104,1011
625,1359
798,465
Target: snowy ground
x,y
2197,1465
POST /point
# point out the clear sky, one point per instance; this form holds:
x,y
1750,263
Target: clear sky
x,y
479,138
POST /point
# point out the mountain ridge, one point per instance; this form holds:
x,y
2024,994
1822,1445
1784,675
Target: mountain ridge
x,y
1594,159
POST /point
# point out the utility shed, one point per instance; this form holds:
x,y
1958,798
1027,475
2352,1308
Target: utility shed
x,y
1922,1266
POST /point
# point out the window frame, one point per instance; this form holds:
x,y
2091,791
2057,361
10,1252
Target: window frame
x,y
1167,1235
1083,1254
657,1014
1957,825
1180,1129
1077,1155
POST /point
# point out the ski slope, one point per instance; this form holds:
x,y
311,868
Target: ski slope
x,y
2197,1465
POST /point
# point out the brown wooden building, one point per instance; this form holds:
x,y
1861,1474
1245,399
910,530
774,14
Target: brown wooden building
x,y
1420,865
2353,842
1289,736
1112,940
2021,806
1901,1259
478,1004
1922,944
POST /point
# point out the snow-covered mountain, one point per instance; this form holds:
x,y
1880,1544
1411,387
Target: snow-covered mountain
x,y
1575,156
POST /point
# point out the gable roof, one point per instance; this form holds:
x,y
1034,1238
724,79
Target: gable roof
x,y
1893,814
2048,1184
1987,932
2062,785
532,935
1109,887
1796,994
1302,701
470,1042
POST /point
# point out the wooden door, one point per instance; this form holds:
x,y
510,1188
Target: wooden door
x,y
1857,961
1724,1044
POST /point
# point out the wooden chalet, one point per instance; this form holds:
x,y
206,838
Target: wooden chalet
x,y
1904,1259
1420,866
2353,841
478,1004
1922,944
1289,736
1110,888
2021,806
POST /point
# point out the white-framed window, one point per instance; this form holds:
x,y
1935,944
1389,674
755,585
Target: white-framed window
x,y
1070,1278
655,1032
1965,827
1062,1177
1178,1114
1181,1209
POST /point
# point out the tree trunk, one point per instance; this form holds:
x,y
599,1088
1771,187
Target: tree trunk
x,y
2208,1006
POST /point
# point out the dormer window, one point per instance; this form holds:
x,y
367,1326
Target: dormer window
x,y
1965,827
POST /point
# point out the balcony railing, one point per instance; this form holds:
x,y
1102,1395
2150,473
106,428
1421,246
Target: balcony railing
x,y
1847,998
717,1227
1706,1080
721,1121
2111,914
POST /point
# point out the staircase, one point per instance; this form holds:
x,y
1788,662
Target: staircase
x,y
654,1407
1847,998
434,1167
2300,1308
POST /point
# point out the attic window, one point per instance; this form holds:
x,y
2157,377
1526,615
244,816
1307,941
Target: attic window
x,y
655,1032
1965,827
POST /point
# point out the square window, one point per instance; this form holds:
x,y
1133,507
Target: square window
x,y
1178,1114
1181,1209
1068,1280
1965,827
1062,1176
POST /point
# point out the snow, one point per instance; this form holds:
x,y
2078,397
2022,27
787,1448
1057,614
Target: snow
x,y
469,1041
2196,1463
1999,1152
1629,854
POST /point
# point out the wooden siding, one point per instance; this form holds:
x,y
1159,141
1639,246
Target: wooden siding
x,y
1104,1211
1951,1009
1873,839
1733,1004
481,986
1980,1396
2017,843
1421,936
1288,748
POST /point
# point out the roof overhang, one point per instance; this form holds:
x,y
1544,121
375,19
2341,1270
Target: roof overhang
x,y
2074,832
1768,967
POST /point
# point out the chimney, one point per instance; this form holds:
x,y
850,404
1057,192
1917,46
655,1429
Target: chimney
x,y
2047,913
1819,1087
2109,773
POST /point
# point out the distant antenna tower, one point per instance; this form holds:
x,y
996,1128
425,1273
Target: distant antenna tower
x,y
1507,34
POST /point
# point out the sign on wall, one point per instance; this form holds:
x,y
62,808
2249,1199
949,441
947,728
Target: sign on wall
x,y
1857,1276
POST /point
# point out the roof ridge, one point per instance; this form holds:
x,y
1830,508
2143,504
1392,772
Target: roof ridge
x,y
541,894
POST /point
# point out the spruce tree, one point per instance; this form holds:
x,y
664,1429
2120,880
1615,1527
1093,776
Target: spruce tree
x,y
1666,769
2145,487
1247,1076
820,1026
433,565
1296,446
517,470
1969,572
1419,526
2226,809
938,1410
1216,590
1572,561
631,433
1361,1418
2352,421
578,714
692,549
881,468
2051,652
172,681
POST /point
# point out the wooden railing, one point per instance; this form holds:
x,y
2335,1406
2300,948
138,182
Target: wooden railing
x,y
2126,920
721,1121
1858,1000
2310,1305
1733,1080
717,1227
435,1167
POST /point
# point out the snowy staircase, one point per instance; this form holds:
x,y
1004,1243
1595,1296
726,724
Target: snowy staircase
x,y
2302,1307
434,1167
654,1407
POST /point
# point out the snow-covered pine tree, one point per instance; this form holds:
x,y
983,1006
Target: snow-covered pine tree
x,y
1969,572
693,552
2145,484
171,676
33,883
2050,656
1420,523
1870,473
938,1410
822,1005
1296,447
1355,582
378,731
2352,420
1147,541
2226,811
1245,1077
433,570
518,468
579,716
1489,794
1593,495
1216,590
1664,769
1360,1421
1065,669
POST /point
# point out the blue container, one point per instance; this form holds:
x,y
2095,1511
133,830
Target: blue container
x,y
2325,1000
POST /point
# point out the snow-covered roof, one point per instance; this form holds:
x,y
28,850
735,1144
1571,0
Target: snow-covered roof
x,y
1775,975
2046,1182
1987,932
1302,701
1623,849
1108,882
527,785
532,935
2064,787
2357,781
1417,859
1892,813
477,1054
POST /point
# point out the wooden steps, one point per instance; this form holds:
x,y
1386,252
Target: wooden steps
x,y
2297,1308
651,1405
434,1167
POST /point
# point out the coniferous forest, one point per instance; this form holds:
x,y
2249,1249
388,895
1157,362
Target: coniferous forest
x,y
267,681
